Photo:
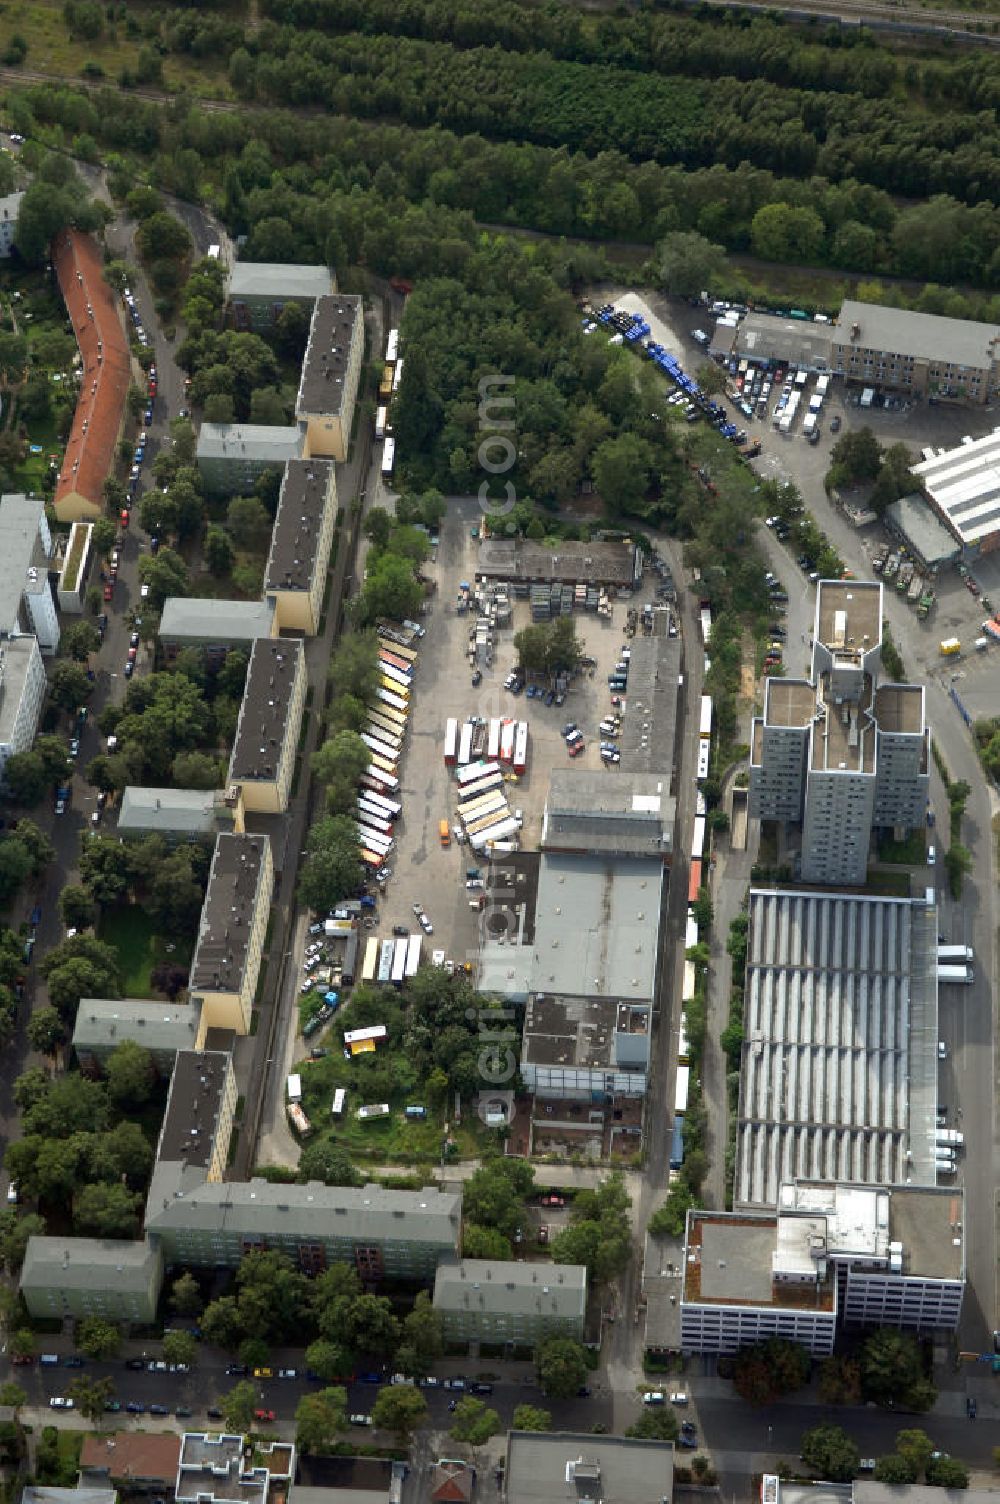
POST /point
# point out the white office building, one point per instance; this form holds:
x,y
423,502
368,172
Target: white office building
x,y
10,208
22,694
27,603
839,754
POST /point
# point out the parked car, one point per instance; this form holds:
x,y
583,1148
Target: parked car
x,y
264,1415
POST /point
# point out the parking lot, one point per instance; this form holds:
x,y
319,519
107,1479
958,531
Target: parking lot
x,y
423,871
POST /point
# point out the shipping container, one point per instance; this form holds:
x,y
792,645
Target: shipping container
x,y
475,770
374,1034
374,840
465,744
400,650
370,968
706,715
388,456
683,1048
381,415
690,932
399,962
372,1112
413,954
947,953
677,1145
706,626
293,1087
500,832
688,984
381,748
389,736
373,815
390,698
491,807
373,859
349,960
339,1098
388,950
392,345
704,757
397,375
493,739
521,748
298,1120
481,786
393,659
681,1090
508,731
385,385
392,807
698,839
393,686
395,676
379,776
962,975
397,717
694,882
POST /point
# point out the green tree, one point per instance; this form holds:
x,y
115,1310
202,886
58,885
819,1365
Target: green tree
x,y
840,1381
91,1397
13,1395
656,1423
531,1418
562,1367
46,1031
332,868
196,770
354,666
219,551
895,1469
391,589
268,406
857,455
130,1074
328,1162
892,1369
80,640
98,1338
831,1453
220,1323
180,1347
27,779
328,1359
670,1219
957,865
484,1242
341,759
400,1408
105,1211
622,469
948,1472
185,1295
319,1419
77,907
162,236
239,1405
165,574
378,527
249,523
690,264
916,1446
423,1332
69,686
474,1422
786,232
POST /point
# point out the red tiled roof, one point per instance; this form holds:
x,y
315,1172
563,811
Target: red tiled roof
x,y
90,452
451,1482
133,1454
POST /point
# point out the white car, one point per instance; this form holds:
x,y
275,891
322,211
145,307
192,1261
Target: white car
x,y
678,1397
60,1402
144,592
360,1420
654,1397
12,1193
425,924
438,958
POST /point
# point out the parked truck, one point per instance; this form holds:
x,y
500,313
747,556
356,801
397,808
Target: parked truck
x,y
950,646
991,628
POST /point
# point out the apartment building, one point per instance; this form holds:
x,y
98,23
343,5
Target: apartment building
x,y
566,1467
832,1253
164,1029
895,349
76,563
228,1469
502,1300
230,945
139,1461
839,754
331,367
295,578
259,291
27,603
217,626
380,1233
22,694
232,457
270,719
179,814
80,1277
106,371
201,1108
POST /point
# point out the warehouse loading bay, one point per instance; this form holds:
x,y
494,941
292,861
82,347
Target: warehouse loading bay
x,y
423,871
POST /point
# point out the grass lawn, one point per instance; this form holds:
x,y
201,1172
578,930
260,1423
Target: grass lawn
x,y
911,852
129,930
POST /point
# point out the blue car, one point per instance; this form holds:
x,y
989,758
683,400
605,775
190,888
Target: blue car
x,y
134,1408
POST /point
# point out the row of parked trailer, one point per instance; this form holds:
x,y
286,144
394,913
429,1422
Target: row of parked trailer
x,y
499,739
391,961
486,817
392,374
378,805
682,1084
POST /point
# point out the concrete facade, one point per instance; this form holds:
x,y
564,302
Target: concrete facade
x,y
840,754
227,958
331,368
